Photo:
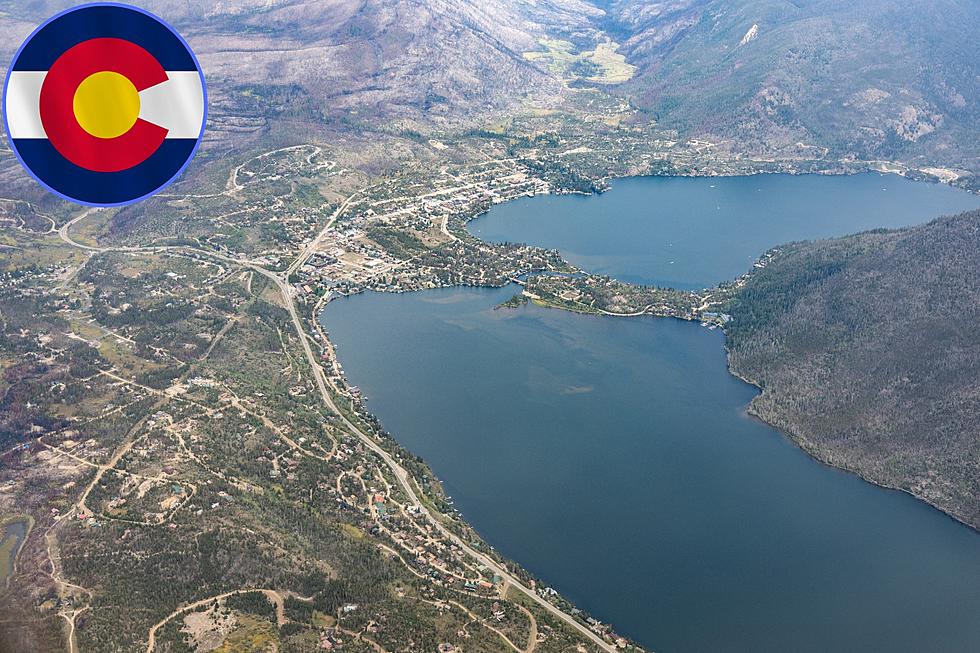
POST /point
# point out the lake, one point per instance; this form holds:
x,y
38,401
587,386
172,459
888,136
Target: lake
x,y
692,233
614,459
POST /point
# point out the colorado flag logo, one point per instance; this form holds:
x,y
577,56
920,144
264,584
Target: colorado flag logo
x,y
104,104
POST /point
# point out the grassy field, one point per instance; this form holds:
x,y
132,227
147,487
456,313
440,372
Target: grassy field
x,y
603,65
252,634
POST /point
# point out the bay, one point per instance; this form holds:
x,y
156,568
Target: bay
x,y
615,460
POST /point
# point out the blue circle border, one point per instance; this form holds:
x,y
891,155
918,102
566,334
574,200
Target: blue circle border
x,y
200,136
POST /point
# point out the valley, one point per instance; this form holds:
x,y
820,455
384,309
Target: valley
x,y
201,471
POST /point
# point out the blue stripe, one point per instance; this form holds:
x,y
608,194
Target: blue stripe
x,y
64,177
71,28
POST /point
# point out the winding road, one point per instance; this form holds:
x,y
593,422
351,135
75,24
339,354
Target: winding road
x,y
399,472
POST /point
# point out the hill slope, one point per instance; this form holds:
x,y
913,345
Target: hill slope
x,y
870,80
873,79
447,59
868,353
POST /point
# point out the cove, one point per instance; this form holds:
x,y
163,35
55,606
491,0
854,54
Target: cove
x,y
614,459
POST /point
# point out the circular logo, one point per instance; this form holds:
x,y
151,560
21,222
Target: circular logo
x,y
104,104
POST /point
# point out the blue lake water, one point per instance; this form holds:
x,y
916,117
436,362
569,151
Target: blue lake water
x,y
693,233
614,459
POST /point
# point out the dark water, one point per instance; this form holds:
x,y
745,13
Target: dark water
x,y
14,533
613,458
692,233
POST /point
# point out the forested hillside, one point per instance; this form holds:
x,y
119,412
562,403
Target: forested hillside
x,y
867,350
875,79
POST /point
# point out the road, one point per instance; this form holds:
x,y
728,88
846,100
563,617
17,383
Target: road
x,y
404,478
312,246
399,472
65,236
151,640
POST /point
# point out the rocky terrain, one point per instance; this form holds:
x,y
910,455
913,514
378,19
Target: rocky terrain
x,y
868,80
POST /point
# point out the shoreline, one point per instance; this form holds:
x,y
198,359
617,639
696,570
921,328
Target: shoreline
x,y
453,521
605,182
360,407
544,580
798,442
796,439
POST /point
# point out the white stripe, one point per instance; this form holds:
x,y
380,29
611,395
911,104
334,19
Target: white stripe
x,y
176,105
21,107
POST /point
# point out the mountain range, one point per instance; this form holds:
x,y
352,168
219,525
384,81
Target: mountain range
x,y
873,80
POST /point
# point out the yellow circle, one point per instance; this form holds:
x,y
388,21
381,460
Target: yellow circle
x,y
106,104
